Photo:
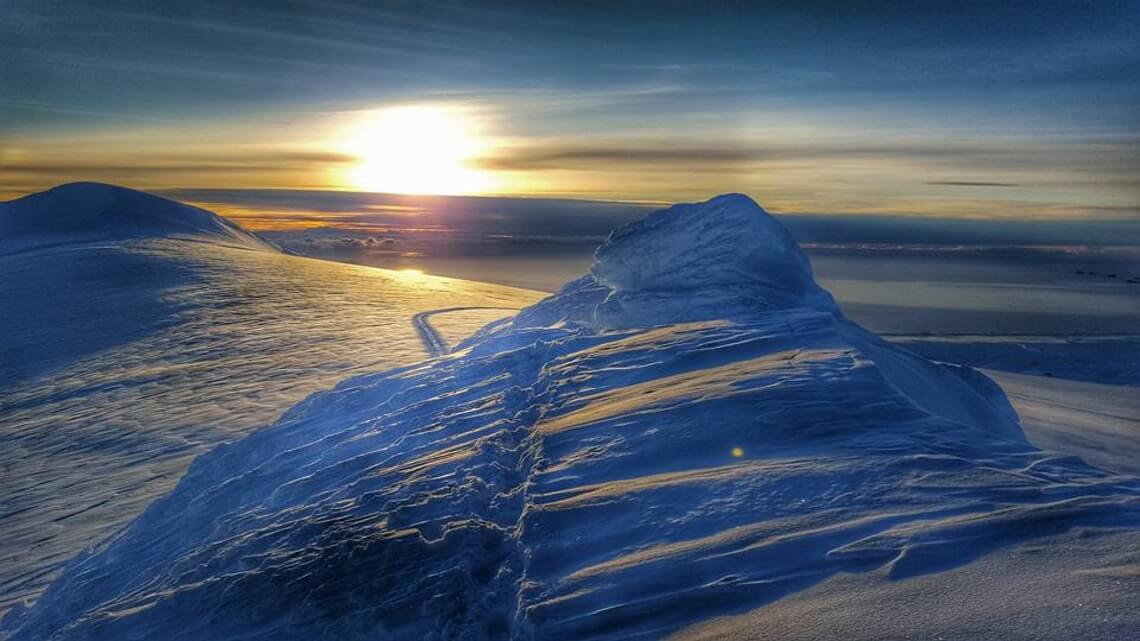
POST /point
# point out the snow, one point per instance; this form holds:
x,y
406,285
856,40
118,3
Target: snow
x,y
126,351
78,212
713,260
1096,422
691,440
1096,358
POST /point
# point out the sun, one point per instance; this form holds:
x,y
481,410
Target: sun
x,y
415,149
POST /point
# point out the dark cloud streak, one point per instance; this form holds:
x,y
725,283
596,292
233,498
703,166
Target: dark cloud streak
x,y
582,221
968,183
996,154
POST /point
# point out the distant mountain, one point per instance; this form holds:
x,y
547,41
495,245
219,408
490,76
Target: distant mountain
x,y
137,332
84,211
690,440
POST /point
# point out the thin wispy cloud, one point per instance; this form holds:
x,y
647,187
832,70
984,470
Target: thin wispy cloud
x,y
562,220
970,183
911,109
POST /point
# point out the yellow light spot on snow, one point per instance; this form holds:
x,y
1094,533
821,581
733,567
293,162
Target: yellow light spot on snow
x,y
737,452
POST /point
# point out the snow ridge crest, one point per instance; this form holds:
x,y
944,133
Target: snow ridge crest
x,y
722,258
85,211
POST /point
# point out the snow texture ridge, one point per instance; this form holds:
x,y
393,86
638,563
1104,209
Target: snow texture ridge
x,y
124,357
591,469
714,259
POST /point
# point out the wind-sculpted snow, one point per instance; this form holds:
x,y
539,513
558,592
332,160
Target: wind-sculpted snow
x,y
580,472
124,357
721,258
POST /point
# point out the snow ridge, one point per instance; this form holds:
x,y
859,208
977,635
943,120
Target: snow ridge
x,y
718,259
78,212
595,470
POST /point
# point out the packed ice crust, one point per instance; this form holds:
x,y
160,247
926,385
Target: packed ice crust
x,y
689,441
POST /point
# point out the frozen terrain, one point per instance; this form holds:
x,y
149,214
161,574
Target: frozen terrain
x,y
690,440
136,333
1099,423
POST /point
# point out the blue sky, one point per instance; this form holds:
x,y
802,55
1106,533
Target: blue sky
x,y
1022,110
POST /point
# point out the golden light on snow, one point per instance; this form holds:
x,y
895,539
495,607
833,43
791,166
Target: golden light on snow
x,y
416,149
412,276
737,452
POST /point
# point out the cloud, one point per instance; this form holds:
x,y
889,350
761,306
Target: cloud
x,y
337,241
1006,154
32,169
967,183
187,163
531,159
418,221
372,214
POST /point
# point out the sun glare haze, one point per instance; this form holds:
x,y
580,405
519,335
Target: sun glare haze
x,y
415,150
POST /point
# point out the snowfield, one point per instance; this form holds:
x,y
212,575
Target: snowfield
x,y
691,440
137,333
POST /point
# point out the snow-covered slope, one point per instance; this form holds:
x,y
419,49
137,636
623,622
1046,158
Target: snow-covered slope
x,y
1097,422
136,333
690,440
78,212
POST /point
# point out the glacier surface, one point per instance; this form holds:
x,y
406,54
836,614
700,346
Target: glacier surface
x,y
690,440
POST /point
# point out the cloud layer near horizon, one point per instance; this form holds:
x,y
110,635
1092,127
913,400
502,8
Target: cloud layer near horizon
x,y
980,109
332,215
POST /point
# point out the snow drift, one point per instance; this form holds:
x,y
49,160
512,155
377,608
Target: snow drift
x,y
137,332
690,440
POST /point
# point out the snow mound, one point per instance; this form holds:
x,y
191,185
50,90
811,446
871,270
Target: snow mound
x,y
585,473
78,212
727,259
714,259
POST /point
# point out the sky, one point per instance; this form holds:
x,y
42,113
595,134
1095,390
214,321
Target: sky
x,y
959,110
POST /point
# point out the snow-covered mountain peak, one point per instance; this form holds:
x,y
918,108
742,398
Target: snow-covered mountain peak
x,y
725,258
84,210
728,240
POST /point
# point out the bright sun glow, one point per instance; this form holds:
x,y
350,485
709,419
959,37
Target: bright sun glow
x,y
415,150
